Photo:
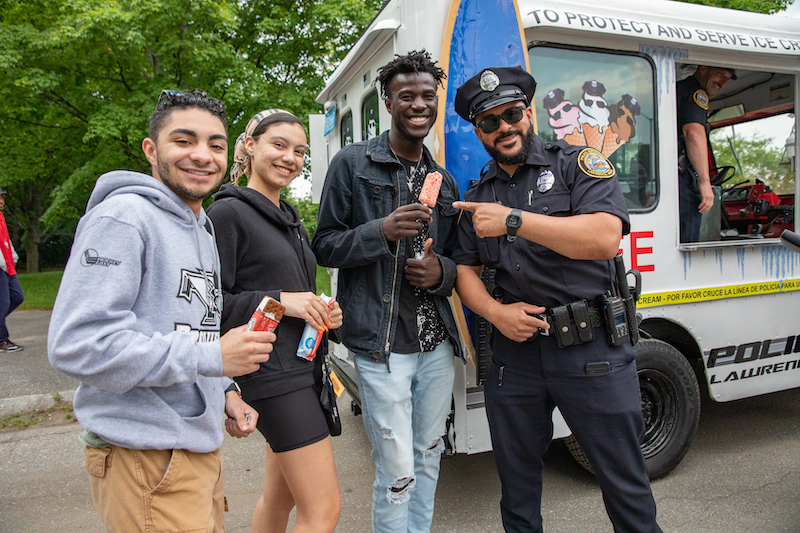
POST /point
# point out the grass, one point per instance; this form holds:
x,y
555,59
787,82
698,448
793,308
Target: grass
x,y
23,420
40,289
323,281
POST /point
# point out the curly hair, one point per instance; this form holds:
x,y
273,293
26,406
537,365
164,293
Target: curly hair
x,y
170,101
414,61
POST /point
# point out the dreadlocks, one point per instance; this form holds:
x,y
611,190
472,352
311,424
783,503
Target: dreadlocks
x,y
418,62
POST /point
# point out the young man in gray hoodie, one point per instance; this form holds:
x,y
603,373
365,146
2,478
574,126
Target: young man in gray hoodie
x,y
137,321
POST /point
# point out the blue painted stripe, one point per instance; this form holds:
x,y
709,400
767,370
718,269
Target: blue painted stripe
x,y
485,34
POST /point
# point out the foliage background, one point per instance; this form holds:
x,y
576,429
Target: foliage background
x,y
80,77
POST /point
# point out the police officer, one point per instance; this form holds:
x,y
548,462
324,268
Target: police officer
x,y
548,217
694,186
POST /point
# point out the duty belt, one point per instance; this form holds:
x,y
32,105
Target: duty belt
x,y
573,323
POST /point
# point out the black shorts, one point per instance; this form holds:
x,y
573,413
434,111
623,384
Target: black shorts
x,y
291,420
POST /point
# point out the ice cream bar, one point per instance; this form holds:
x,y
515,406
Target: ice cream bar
x,y
311,338
266,316
430,189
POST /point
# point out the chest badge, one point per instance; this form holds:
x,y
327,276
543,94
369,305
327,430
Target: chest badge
x,y
545,181
595,164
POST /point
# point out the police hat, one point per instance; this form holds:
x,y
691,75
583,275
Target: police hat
x,y
594,88
493,87
631,103
732,71
553,98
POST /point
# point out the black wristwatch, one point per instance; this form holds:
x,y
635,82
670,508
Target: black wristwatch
x,y
513,222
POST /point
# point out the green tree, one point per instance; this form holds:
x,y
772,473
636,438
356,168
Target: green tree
x,y
756,6
80,78
755,158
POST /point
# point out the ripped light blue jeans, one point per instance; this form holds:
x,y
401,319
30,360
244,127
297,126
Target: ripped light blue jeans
x,y
404,414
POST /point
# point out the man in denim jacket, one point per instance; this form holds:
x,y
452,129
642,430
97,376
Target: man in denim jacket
x,y
395,275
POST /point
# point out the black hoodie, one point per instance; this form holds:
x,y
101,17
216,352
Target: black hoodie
x,y
264,250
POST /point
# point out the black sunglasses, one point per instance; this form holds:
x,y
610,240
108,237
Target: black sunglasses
x,y
167,94
512,115
600,103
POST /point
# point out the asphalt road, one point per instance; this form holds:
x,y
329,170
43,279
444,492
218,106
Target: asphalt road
x,y
741,475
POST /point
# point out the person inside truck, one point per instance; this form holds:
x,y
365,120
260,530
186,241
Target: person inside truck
x,y
694,174
395,275
549,217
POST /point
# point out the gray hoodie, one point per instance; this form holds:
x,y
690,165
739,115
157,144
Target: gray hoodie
x,y
137,319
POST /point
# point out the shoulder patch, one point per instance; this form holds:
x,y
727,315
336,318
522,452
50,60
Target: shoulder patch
x,y
701,98
595,164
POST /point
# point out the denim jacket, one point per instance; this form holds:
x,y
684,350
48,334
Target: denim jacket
x,y
364,184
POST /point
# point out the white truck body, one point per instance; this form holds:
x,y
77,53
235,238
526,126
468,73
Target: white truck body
x,y
729,303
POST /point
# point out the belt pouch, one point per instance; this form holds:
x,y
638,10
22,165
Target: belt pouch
x,y
563,326
583,322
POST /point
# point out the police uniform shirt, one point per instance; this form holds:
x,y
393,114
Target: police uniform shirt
x,y
692,101
557,179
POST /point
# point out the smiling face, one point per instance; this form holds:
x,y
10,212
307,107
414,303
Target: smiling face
x,y
276,158
712,79
510,144
191,154
413,105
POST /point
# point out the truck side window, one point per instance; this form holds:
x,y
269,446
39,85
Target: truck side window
x,y
604,100
346,129
755,171
370,126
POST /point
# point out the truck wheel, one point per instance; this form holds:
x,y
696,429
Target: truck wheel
x,y
670,407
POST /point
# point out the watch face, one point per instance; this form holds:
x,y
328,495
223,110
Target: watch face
x,y
514,220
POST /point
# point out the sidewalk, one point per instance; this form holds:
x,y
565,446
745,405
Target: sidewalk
x,y
27,381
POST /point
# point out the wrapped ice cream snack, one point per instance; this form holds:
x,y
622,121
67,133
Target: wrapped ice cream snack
x,y
266,316
311,338
430,189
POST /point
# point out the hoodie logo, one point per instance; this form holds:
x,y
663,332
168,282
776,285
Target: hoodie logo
x,y
203,285
90,257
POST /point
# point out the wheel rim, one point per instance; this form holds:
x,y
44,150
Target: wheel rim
x,y
659,410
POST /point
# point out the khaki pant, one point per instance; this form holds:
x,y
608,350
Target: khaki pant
x,y
154,491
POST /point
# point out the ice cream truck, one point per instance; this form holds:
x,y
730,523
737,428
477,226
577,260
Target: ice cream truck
x,y
719,315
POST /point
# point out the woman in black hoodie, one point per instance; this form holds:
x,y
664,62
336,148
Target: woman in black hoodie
x,y
264,251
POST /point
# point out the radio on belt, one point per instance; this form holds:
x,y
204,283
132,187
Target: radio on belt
x,y
619,308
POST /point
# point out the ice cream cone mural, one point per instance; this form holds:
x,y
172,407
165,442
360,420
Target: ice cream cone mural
x,y
592,122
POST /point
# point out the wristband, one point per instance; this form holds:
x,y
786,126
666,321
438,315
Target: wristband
x,y
234,387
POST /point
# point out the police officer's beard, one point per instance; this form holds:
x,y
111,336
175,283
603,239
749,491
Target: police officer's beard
x,y
512,159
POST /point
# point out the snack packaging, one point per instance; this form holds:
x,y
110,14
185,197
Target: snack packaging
x,y
309,342
266,316
430,189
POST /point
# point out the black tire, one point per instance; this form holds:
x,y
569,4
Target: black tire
x,y
670,407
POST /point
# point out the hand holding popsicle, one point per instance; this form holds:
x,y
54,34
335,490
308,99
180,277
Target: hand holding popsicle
x,y
307,306
406,221
243,351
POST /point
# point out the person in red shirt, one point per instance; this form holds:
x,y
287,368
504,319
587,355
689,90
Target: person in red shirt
x,y
10,289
